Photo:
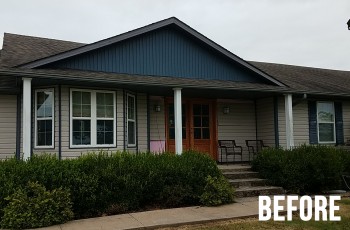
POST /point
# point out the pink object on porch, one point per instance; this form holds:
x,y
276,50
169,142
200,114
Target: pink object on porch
x,y
157,146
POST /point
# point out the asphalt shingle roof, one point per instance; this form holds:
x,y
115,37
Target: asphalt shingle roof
x,y
308,79
20,49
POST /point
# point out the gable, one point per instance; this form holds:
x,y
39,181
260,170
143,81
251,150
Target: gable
x,y
167,51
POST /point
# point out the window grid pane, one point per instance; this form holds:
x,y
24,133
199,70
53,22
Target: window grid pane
x,y
81,104
81,132
105,105
44,118
326,121
105,132
44,104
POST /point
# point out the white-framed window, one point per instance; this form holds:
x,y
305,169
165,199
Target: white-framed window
x,y
44,118
325,122
131,120
92,118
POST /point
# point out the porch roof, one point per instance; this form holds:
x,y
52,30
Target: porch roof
x,y
317,83
152,84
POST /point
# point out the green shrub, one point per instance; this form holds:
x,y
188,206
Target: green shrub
x,y
217,191
305,169
34,207
115,183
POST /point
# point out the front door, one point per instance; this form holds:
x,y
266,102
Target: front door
x,y
198,126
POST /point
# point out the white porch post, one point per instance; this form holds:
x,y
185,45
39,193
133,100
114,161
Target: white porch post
x,y
178,120
288,102
27,95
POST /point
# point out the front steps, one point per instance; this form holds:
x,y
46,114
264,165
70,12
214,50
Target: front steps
x,y
246,182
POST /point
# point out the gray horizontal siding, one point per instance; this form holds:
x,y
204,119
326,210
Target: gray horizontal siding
x,y
157,120
300,123
142,140
8,110
238,125
164,52
265,121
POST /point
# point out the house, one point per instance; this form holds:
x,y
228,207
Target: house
x,y
161,87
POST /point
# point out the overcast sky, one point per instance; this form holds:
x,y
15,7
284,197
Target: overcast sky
x,y
299,32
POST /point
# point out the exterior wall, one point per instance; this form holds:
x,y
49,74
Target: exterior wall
x,y
157,125
68,152
8,110
142,140
238,125
300,123
265,121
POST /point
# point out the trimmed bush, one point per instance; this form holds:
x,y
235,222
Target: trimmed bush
x,y
35,207
103,183
217,191
305,169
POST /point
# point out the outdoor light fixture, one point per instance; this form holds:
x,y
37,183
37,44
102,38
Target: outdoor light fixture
x,y
157,108
226,110
348,24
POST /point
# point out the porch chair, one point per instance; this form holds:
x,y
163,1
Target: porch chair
x,y
229,147
255,146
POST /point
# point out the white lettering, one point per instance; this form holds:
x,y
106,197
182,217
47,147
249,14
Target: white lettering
x,y
277,208
264,207
320,206
332,208
291,207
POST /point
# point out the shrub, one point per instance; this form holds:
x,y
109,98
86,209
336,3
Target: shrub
x,y
305,169
115,183
217,191
34,207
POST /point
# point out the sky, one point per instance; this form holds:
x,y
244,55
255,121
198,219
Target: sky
x,y
297,32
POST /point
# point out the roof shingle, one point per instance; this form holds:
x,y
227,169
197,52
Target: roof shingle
x,y
20,49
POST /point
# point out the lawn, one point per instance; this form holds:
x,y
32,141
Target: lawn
x,y
253,223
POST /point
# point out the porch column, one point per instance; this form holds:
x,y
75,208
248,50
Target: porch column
x,y
27,121
288,102
178,120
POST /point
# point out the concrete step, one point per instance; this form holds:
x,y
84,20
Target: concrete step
x,y
241,175
248,182
235,168
258,191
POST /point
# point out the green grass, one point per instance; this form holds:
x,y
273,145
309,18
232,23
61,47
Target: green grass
x,y
296,223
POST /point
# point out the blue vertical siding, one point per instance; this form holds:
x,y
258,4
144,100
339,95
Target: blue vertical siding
x,y
163,52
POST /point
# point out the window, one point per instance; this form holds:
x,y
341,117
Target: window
x,y
326,122
92,118
131,120
44,118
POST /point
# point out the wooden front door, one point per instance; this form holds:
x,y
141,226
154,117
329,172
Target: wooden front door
x,y
198,126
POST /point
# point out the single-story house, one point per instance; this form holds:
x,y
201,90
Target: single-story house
x,y
162,87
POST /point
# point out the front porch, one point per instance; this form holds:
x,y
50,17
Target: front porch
x,y
206,116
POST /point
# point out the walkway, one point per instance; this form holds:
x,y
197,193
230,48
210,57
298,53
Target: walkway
x,y
244,207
